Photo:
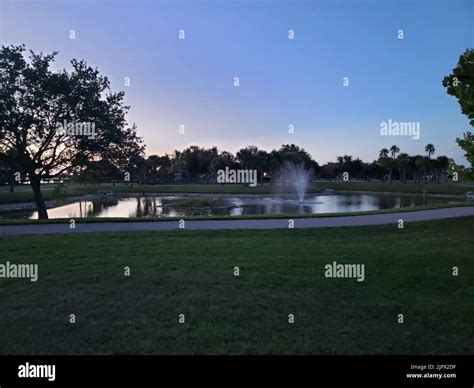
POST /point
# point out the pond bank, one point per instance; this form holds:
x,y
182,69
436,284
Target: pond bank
x,y
22,206
264,223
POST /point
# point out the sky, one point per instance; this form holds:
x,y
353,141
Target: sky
x,y
282,81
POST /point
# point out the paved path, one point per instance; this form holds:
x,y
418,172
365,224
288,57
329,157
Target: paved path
x,y
374,219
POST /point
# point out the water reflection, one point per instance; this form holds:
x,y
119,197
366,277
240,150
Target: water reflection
x,y
162,206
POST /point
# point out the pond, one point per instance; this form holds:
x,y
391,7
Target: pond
x,y
232,205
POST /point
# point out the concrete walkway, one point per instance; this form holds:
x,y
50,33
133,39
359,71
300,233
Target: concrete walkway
x,y
374,219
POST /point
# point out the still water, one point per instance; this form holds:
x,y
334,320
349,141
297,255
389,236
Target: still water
x,y
180,206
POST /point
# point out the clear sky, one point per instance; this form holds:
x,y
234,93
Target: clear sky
x,y
282,81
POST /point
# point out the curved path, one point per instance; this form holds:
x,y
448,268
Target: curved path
x,y
268,223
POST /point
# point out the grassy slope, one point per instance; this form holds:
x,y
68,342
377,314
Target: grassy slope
x,y
397,187
407,271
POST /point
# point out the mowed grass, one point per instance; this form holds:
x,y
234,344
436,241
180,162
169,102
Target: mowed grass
x,y
398,187
407,271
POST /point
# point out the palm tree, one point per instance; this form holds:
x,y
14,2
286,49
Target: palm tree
x,y
420,166
403,162
441,164
394,150
384,162
383,153
430,150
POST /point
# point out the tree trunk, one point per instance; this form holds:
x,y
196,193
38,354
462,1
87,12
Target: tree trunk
x,y
35,184
11,181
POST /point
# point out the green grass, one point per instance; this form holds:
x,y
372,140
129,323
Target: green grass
x,y
397,187
408,271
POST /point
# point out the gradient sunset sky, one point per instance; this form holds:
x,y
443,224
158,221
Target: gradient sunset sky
x,y
282,81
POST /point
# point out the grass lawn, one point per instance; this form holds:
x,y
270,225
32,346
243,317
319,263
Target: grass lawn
x,y
397,187
407,271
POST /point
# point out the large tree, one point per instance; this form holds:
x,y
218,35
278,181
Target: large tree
x,y
43,114
467,144
195,161
460,84
249,157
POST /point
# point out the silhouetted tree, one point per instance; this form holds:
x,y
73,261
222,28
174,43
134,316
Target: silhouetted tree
x,y
403,163
430,150
35,100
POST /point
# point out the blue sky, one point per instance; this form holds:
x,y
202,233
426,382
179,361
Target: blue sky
x,y
282,81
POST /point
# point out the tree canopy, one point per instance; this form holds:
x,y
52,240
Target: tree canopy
x,y
460,84
52,122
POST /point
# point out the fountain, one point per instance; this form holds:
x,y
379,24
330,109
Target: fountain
x,y
298,176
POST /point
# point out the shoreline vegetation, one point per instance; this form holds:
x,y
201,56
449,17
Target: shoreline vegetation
x,y
51,192
24,221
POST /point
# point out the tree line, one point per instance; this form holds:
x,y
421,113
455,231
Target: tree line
x,y
200,165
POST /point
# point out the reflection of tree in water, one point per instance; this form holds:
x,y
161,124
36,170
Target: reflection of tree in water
x,y
146,207
146,210
151,207
172,211
389,202
19,214
392,202
94,208
139,212
269,208
406,201
350,202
